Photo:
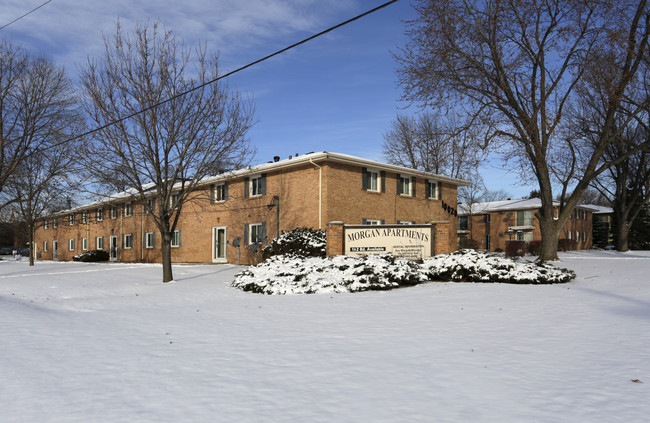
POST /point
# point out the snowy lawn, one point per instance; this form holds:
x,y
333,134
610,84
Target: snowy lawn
x,y
86,342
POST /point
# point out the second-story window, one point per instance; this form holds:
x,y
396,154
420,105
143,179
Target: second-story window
x,y
113,212
71,219
128,209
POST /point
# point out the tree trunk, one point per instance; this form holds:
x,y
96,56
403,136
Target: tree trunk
x,y
622,235
550,236
166,248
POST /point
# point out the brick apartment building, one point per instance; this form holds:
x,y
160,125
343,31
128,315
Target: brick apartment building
x,y
491,224
231,214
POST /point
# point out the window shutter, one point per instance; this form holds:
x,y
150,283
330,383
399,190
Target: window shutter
x,y
383,222
364,178
153,239
263,183
263,232
245,233
122,241
246,182
399,185
225,191
364,221
180,237
212,194
427,189
439,190
383,180
413,187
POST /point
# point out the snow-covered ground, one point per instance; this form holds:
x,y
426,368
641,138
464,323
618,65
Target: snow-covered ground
x,y
85,342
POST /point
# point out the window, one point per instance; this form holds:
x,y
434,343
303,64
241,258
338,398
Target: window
x,y
219,192
176,238
403,185
463,223
127,241
584,237
405,222
45,246
84,217
128,209
113,212
84,243
55,222
577,236
256,186
371,222
524,218
149,240
99,243
151,205
100,214
432,190
568,234
372,180
524,236
173,201
46,224
487,242
71,244
575,215
71,219
256,233
486,218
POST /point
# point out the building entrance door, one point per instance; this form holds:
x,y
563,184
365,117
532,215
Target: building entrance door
x,y
219,244
113,248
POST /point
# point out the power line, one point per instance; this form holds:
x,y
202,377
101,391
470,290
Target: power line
x,y
330,29
20,17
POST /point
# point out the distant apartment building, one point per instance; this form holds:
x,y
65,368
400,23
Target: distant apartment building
x,y
232,215
490,224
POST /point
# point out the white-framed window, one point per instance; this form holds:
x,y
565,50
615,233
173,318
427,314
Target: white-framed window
x,y
219,192
55,222
176,238
46,224
128,209
45,246
486,218
173,201
100,214
84,243
71,243
577,236
568,234
404,222
463,223
524,218
524,236
71,219
84,217
371,222
432,189
127,241
403,185
584,236
151,205
256,188
372,180
255,233
99,243
113,212
149,239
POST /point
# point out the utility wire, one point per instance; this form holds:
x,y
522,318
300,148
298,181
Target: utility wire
x,y
20,17
226,75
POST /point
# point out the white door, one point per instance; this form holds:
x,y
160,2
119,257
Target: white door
x,y
55,250
113,248
219,244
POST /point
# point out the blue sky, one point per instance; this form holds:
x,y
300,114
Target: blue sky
x,y
337,93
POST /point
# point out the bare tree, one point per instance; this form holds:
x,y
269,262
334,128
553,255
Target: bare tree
x,y
176,140
514,66
36,103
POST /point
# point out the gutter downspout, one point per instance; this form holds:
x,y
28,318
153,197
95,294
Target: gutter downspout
x,y
320,194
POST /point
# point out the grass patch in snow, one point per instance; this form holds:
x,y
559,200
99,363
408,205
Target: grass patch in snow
x,y
288,274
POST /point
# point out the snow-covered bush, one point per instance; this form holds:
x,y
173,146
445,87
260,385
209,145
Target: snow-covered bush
x,y
473,266
94,255
288,274
303,242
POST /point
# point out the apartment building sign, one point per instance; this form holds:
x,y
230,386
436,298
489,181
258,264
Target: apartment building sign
x,y
408,241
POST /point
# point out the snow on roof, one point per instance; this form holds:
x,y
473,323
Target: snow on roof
x,y
600,209
522,204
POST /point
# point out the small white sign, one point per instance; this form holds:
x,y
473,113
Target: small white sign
x,y
408,241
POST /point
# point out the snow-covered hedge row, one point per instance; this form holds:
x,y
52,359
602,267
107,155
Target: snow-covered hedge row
x,y
287,274
474,266
303,242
